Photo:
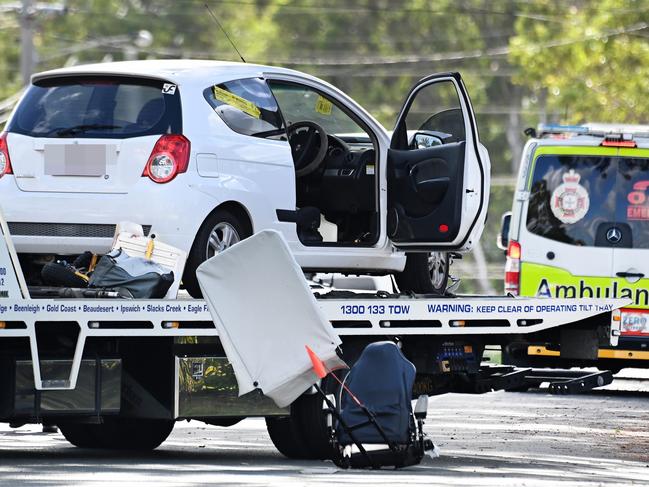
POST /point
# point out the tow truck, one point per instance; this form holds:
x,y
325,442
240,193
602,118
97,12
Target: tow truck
x,y
117,373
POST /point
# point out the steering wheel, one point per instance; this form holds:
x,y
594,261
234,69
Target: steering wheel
x,y
308,155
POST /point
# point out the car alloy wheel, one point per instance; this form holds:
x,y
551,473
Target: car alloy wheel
x,y
222,236
438,269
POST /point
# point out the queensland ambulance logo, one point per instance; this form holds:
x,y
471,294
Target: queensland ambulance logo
x,y
570,201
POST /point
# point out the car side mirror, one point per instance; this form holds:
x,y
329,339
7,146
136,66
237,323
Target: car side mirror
x,y
502,241
421,407
424,140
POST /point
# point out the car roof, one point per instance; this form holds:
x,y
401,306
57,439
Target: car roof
x,y
177,71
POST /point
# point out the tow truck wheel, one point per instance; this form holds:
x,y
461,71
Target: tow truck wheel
x,y
285,434
79,434
305,434
119,433
312,416
424,273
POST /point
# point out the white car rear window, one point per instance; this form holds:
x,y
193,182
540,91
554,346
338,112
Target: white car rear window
x,y
95,107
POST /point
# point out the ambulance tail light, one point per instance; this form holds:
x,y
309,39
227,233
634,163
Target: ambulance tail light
x,y
5,162
513,268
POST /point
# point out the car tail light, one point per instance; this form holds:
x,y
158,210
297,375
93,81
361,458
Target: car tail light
x,y
5,162
169,157
513,268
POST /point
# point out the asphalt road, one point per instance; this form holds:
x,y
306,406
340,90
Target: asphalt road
x,y
496,439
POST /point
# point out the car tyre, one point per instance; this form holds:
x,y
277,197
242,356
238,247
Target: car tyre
x,y
424,273
221,230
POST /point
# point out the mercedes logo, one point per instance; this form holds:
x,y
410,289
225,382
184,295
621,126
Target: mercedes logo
x,y
614,235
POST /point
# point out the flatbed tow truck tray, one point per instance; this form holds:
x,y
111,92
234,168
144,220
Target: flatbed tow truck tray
x,y
356,316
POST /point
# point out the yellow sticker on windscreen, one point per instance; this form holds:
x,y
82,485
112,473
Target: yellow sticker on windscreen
x,y
324,106
236,101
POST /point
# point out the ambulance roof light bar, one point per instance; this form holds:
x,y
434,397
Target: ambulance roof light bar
x,y
614,132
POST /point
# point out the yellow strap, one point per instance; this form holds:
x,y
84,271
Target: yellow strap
x,y
93,263
149,249
82,276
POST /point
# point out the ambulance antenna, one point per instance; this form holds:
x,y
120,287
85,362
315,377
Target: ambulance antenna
x,y
223,30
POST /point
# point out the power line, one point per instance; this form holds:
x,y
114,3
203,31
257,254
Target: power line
x,y
452,56
339,9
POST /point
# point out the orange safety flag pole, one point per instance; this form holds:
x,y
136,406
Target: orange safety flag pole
x,y
321,371
318,365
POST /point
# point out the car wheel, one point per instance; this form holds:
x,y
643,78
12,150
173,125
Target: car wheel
x,y
424,273
221,230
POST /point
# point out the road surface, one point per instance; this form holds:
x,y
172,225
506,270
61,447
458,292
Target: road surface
x,y
496,439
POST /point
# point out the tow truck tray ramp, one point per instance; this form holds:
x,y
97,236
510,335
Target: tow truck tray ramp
x,y
492,378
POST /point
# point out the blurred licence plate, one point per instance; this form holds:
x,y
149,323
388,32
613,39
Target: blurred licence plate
x,y
75,160
635,322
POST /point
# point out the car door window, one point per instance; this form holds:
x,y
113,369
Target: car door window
x,y
434,117
301,103
247,106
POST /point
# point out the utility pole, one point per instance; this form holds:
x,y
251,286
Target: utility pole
x,y
27,12
26,40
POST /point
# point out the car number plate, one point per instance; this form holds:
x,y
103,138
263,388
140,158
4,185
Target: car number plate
x,y
75,160
635,322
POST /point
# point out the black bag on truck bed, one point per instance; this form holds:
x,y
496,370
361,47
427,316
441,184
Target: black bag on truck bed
x,y
143,278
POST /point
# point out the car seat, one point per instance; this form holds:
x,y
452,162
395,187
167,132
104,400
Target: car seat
x,y
151,113
307,220
376,409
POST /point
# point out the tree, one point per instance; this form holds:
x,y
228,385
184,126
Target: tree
x,y
589,58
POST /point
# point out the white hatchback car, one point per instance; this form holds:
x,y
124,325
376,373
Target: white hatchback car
x,y
204,153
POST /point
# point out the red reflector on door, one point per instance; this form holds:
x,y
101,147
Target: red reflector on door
x,y
443,228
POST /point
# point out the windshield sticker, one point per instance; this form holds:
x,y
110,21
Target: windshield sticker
x,y
168,89
323,106
236,101
570,201
638,208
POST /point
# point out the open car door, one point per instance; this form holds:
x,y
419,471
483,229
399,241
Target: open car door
x,y
438,173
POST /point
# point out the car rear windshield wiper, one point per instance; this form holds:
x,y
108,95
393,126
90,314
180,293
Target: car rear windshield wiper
x,y
77,129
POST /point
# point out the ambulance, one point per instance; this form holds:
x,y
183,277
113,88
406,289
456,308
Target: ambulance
x,y
579,228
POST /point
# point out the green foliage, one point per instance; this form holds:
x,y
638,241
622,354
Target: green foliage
x,y
574,60
589,58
